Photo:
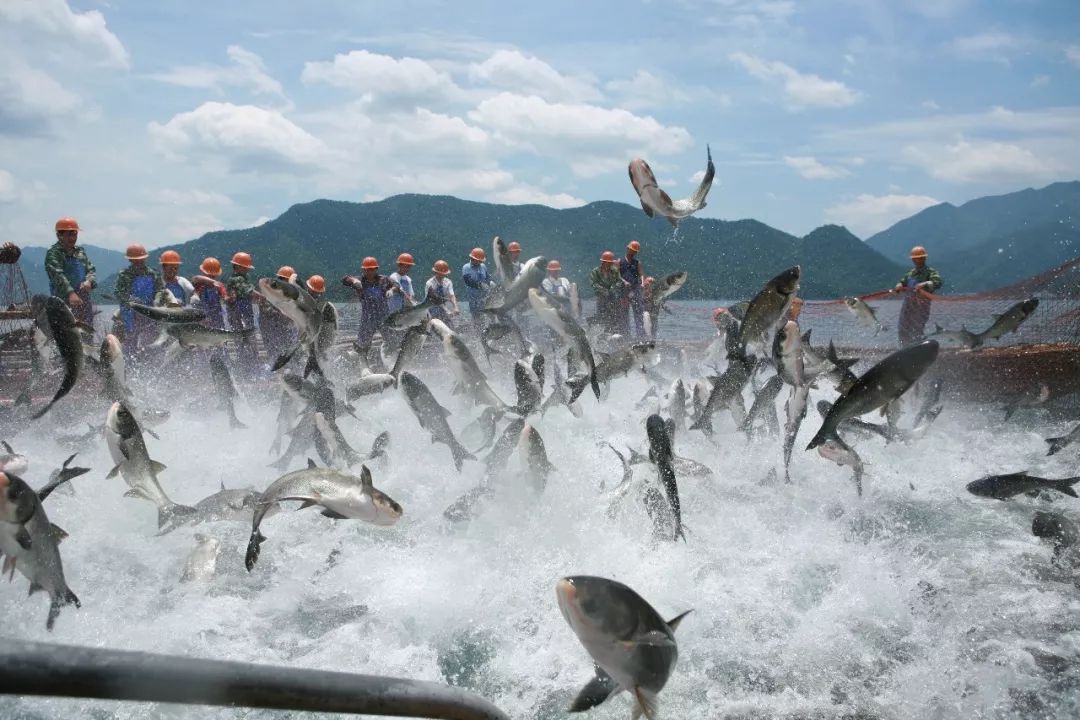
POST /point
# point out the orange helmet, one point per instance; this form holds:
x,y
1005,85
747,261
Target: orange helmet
x,y
136,252
170,257
554,265
634,246
243,260
607,257
478,255
405,259
515,246
316,284
441,267
67,223
285,272
369,263
918,252
211,267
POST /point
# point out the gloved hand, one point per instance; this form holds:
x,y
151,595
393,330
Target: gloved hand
x,y
349,281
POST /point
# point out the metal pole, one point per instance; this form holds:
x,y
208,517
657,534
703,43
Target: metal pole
x,y
31,668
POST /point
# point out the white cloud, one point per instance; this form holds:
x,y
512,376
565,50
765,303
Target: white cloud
x,y
647,90
966,162
30,99
528,195
1040,81
528,75
8,190
930,105
187,198
247,71
1072,54
593,139
938,9
697,177
812,169
57,20
801,89
384,81
248,138
993,46
868,214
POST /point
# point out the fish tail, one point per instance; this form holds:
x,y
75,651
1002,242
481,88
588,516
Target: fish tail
x,y
58,601
595,383
1057,444
577,386
313,362
823,435
252,554
1065,486
234,422
461,454
703,423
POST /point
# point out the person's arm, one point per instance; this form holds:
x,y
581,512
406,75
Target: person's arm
x,y
934,281
159,290
90,281
903,281
189,289
470,279
54,268
453,297
122,291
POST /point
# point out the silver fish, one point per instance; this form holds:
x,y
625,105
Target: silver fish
x,y
182,314
534,457
464,366
766,309
655,201
864,313
532,274
201,564
432,417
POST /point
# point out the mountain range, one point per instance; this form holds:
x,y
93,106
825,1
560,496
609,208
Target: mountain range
x,y
982,244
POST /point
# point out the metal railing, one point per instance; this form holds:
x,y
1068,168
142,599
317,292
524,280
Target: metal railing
x,y
31,668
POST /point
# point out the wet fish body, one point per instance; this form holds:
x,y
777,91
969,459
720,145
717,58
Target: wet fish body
x,y
1003,487
617,364
534,457
864,313
201,564
655,201
527,384
432,417
559,320
532,274
225,390
193,335
1059,443
1056,527
661,454
766,309
415,315
164,314
464,366
65,333
1010,320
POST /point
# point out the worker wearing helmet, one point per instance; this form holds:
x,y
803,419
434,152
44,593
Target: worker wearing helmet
x,y
633,275
71,274
316,285
441,287
405,263
278,332
478,284
917,282
374,291
137,283
209,293
608,286
514,251
555,287
178,287
240,293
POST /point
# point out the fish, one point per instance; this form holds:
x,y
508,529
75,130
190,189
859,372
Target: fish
x,y
534,457
11,461
962,337
379,446
504,266
575,301
60,476
633,647
372,384
128,450
1010,320
29,543
932,400
463,365
492,333
1003,487
226,505
787,356
1055,526
340,495
726,388
301,438
410,347
1027,398
766,309
78,441
328,329
840,453
661,454
306,313
408,317
225,390
432,417
764,407
331,443
527,384
864,313
677,403
287,410
559,320
560,393
495,460
65,332
1060,443
193,335
201,564
481,432
165,314
855,425
664,288
617,364
536,362
684,466
655,201
878,386
627,470
532,274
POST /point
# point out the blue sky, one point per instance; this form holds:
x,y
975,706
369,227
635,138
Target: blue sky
x,y
154,122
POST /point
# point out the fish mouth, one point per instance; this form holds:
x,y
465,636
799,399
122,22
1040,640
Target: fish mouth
x,y
567,595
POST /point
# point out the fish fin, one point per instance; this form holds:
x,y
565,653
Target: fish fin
x,y
673,623
594,381
311,464
284,358
169,518
645,206
308,503
333,515
71,598
157,467
152,434
460,454
133,493
595,692
34,587
7,448
313,362
646,704
1056,444
365,478
22,536
252,554
674,221
58,533
1065,486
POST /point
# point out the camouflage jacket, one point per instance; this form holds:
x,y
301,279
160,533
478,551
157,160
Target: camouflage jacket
x,y
238,286
921,275
55,260
126,279
606,285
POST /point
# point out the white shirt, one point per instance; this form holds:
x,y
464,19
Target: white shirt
x,y
440,286
557,287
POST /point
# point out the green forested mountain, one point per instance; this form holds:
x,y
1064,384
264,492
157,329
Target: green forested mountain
x,y
729,259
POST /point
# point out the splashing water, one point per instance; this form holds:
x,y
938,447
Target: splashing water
x,y
920,601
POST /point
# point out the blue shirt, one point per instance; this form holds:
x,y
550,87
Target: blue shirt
x,y
397,302
475,278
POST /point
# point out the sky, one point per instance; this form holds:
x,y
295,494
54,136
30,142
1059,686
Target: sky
x,y
154,122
